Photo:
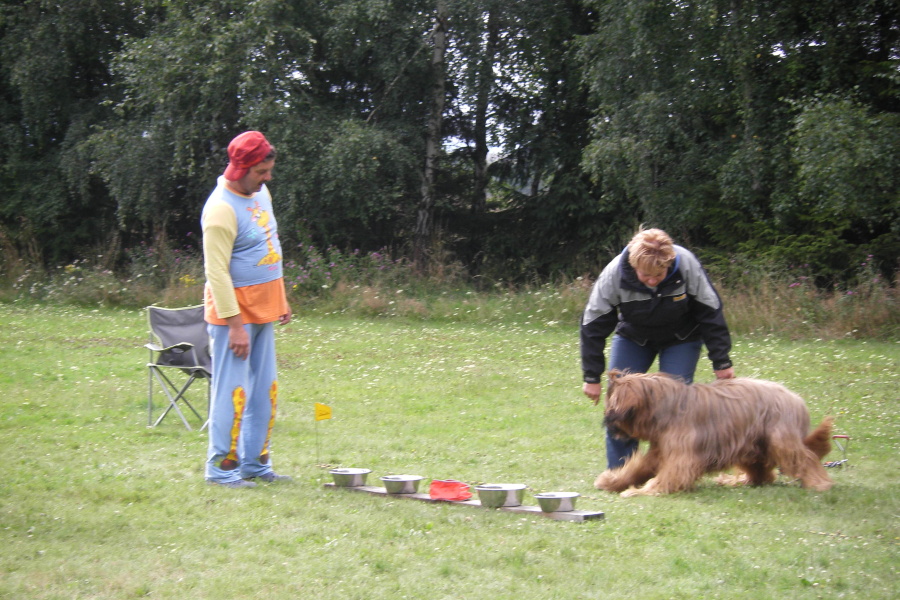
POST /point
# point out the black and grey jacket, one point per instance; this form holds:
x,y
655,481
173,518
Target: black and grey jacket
x,y
684,307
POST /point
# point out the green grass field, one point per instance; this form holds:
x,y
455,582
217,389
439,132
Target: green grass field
x,y
94,504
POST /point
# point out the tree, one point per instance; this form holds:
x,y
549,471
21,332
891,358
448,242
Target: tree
x,y
433,140
848,176
204,73
702,122
352,172
56,85
334,85
748,126
544,217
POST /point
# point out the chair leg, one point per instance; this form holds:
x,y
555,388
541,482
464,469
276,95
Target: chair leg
x,y
149,397
181,396
166,385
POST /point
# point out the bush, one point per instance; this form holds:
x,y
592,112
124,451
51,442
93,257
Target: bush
x,y
766,299
760,297
315,273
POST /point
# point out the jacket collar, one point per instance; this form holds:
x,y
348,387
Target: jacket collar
x,y
628,277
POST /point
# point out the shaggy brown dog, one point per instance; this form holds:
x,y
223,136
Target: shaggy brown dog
x,y
750,424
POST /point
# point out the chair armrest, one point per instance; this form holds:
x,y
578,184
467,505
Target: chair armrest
x,y
183,346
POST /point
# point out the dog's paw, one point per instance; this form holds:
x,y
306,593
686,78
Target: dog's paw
x,y
607,481
641,491
729,480
819,486
602,481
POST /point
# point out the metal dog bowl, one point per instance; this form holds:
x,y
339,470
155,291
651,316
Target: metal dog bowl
x,y
495,495
401,484
557,501
349,477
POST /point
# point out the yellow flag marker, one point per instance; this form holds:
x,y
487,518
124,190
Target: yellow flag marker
x,y
323,411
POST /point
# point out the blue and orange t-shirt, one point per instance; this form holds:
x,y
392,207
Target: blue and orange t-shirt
x,y
242,257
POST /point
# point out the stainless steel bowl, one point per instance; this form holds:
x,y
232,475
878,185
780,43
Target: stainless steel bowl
x,y
349,477
495,495
557,501
401,484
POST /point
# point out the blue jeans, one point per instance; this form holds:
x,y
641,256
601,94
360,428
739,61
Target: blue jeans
x,y
680,360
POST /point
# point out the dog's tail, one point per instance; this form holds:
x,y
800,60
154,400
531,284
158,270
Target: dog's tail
x,y
819,441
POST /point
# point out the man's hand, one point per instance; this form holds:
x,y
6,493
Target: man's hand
x,y
238,338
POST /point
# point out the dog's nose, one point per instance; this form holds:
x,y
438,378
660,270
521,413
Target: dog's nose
x,y
612,416
610,420
614,420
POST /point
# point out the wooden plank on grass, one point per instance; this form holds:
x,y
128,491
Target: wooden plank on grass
x,y
574,515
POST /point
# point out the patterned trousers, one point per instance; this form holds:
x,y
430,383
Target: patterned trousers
x,y
242,411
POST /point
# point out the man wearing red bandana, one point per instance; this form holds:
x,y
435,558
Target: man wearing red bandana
x,y
244,297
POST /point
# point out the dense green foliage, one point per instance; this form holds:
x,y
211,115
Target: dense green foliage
x,y
754,129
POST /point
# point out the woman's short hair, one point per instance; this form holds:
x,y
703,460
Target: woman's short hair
x,y
650,250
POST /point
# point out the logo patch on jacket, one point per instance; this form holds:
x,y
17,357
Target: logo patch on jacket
x,y
679,298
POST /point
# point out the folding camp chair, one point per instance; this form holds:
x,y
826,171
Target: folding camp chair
x,y
178,341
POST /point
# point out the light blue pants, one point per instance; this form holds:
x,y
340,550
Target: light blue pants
x,y
242,411
625,355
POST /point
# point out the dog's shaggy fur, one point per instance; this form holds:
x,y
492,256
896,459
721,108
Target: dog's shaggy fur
x,y
752,425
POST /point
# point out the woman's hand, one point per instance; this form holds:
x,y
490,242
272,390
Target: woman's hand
x,y
592,391
725,373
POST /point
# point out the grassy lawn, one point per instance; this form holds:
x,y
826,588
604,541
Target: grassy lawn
x,y
94,504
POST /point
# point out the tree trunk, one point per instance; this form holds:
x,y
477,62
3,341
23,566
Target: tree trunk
x,y
482,103
425,214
